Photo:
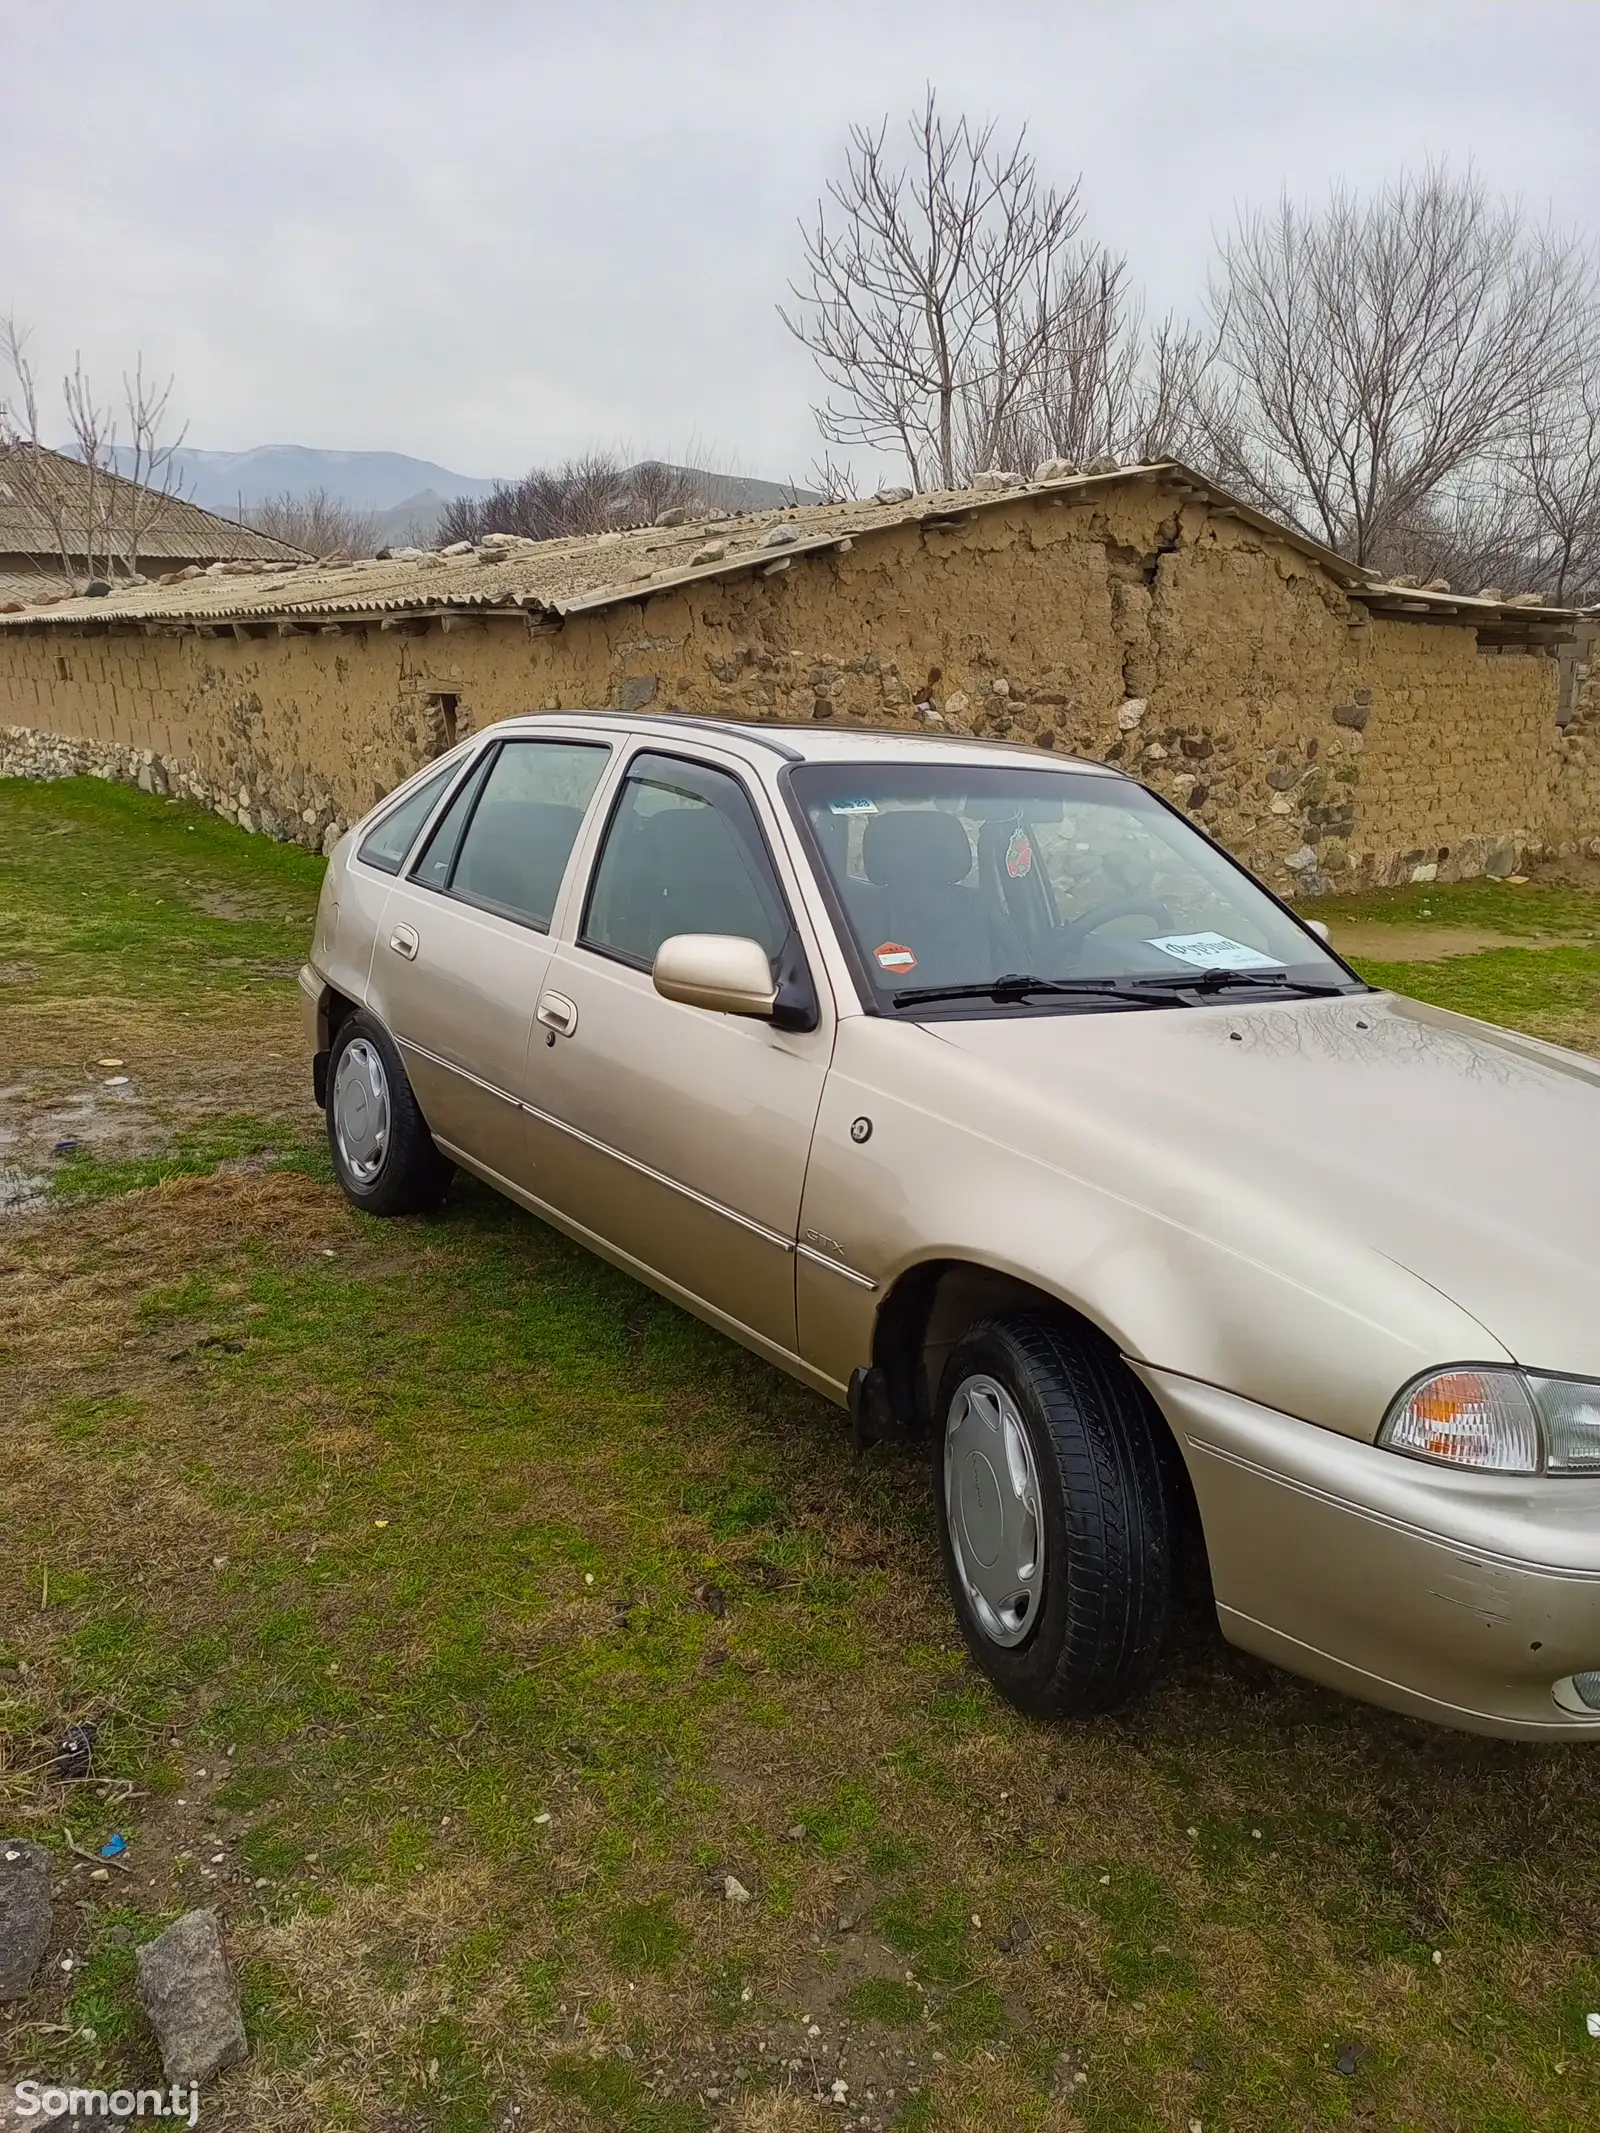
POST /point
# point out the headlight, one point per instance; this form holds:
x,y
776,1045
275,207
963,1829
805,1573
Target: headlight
x,y
1499,1421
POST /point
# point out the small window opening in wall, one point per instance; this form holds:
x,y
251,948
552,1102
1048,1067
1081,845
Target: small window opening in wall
x,y
442,725
63,671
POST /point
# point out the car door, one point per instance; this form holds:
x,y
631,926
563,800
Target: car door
x,y
674,1136
465,940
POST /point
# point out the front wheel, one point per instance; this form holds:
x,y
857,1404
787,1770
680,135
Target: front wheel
x,y
1055,1516
383,1154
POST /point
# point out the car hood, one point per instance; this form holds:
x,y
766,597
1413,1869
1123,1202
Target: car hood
x,y
1467,1155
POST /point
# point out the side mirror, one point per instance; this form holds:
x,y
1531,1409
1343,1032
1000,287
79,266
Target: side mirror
x,y
718,971
1319,927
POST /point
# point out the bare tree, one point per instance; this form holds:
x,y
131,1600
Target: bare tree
x,y
1372,353
652,486
1554,477
318,522
100,500
591,494
930,291
1471,535
1081,397
830,482
1168,416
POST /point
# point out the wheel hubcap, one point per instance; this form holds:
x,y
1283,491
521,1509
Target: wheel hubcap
x,y
992,1506
361,1110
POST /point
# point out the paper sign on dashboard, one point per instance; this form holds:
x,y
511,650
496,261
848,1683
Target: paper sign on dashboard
x,y
1214,951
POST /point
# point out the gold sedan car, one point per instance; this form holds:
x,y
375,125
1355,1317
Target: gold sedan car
x,y
979,1090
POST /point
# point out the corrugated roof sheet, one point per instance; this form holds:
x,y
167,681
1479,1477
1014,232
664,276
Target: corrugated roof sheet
x,y
32,584
1428,601
554,579
176,530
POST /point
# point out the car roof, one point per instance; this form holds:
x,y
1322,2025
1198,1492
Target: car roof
x,y
822,744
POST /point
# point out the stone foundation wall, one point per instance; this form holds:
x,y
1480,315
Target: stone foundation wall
x,y
28,753
1326,746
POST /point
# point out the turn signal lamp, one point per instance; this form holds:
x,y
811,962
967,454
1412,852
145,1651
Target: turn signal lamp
x,y
1481,1418
1498,1421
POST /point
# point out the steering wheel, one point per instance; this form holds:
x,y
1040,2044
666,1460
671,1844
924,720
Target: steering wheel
x,y
1073,935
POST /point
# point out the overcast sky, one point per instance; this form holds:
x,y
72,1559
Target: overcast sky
x,y
491,233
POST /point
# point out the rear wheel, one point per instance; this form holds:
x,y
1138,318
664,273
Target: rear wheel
x,y
1054,1514
383,1154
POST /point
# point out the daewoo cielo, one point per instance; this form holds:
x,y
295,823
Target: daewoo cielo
x,y
979,1090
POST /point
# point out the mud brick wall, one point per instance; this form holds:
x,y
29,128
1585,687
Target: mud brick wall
x,y
1574,804
1328,746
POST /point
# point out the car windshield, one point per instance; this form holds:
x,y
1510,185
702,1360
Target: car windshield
x,y
958,879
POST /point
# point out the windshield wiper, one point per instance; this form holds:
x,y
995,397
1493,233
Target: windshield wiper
x,y
1016,986
1261,980
1128,992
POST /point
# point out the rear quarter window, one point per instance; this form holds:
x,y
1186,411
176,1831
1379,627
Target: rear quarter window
x,y
385,846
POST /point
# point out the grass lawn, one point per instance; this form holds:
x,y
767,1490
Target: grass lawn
x,y
459,1618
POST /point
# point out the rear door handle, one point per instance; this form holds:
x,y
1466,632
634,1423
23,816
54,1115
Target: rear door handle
x,y
404,942
557,1013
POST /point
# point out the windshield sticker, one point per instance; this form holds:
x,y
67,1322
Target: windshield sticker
x,y
1019,855
852,807
890,955
1214,951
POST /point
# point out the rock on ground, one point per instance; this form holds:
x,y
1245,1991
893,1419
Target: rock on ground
x,y
25,1913
187,1990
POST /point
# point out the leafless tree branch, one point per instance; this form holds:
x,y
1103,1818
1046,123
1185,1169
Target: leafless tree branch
x,y
591,494
1371,353
931,291
99,511
318,523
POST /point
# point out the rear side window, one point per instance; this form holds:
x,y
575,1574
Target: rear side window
x,y
683,854
386,846
444,839
523,827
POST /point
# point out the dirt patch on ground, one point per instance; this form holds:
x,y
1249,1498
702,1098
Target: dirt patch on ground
x,y
1373,940
120,1080
232,904
1576,872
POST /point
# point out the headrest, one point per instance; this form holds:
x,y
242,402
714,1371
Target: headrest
x,y
687,843
675,830
915,847
516,823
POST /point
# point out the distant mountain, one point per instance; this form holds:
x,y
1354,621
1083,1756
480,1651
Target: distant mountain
x,y
406,495
370,481
412,522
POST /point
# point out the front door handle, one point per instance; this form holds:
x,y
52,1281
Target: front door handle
x,y
404,942
557,1013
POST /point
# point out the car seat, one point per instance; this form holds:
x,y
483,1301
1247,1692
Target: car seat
x,y
919,860
682,871
515,854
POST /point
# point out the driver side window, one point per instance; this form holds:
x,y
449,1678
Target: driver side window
x,y
683,853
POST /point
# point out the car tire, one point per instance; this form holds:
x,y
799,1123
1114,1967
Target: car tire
x,y
383,1154
1066,1608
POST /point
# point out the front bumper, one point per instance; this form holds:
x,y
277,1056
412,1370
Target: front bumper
x,y
1457,1597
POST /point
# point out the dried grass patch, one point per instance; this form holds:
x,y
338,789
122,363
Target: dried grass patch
x,y
360,2023
70,1286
